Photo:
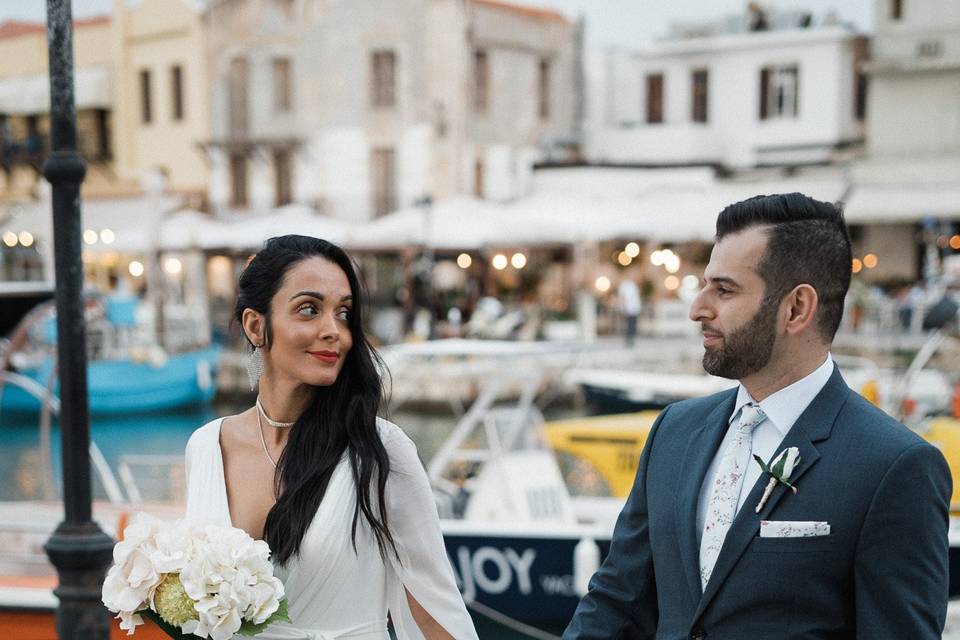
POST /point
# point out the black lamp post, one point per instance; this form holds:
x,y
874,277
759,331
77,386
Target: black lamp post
x,y
78,548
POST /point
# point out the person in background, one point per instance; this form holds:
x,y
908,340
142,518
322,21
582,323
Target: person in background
x,y
628,300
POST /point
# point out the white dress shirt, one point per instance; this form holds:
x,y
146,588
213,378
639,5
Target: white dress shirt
x,y
782,410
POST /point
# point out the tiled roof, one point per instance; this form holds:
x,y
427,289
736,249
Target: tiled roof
x,y
530,12
17,28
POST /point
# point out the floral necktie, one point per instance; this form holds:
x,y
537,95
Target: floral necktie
x,y
727,484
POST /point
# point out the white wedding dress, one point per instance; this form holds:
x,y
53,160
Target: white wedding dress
x,y
334,592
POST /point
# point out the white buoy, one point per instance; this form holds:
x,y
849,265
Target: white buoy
x,y
586,561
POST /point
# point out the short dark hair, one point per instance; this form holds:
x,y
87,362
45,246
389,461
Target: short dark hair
x,y
807,243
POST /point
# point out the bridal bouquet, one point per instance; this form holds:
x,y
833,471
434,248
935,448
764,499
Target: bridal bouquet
x,y
211,582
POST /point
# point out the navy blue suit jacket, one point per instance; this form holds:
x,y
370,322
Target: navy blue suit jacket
x,y
880,573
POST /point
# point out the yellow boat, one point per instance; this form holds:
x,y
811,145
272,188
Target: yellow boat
x,y
611,445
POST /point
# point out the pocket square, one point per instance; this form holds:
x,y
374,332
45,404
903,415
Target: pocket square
x,y
793,529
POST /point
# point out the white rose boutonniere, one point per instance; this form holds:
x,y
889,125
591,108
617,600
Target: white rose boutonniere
x,y
779,471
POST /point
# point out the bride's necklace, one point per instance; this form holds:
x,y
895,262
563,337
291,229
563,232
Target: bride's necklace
x,y
263,440
273,423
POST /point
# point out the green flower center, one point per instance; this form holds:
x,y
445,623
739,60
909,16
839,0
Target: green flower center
x,y
172,602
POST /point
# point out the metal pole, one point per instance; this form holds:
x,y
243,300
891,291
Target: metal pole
x,y
78,548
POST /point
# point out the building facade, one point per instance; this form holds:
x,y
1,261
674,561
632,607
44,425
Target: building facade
x,y
363,108
790,93
140,95
906,196
253,153
161,98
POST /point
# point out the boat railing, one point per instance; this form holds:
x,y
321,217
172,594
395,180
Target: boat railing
x,y
484,435
502,428
50,407
171,483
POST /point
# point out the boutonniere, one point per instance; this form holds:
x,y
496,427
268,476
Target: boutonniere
x,y
779,471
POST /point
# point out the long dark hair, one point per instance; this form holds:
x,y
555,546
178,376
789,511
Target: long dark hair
x,y
341,418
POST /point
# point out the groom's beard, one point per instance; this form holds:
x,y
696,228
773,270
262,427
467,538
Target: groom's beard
x,y
746,350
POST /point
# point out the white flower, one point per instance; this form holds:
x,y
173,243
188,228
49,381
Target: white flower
x,y
779,471
266,600
133,578
219,618
173,547
790,458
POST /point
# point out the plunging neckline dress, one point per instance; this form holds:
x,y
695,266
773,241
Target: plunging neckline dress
x,y
333,591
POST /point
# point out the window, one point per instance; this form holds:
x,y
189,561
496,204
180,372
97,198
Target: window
x,y
779,90
284,183
382,90
282,89
896,9
237,89
382,173
146,114
176,91
481,81
860,96
238,180
543,86
478,178
103,133
699,92
654,98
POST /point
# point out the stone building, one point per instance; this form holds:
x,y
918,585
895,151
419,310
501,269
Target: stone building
x,y
361,108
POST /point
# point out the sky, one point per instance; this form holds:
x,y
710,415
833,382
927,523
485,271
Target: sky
x,y
609,22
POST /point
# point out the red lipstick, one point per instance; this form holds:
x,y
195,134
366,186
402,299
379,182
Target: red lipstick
x,y
325,356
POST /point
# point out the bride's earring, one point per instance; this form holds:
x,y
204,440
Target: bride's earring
x,y
254,367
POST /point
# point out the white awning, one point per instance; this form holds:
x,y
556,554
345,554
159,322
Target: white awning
x,y
130,220
190,229
674,212
24,95
671,212
903,203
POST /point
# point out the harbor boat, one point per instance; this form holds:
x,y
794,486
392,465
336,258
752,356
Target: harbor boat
x,y
126,372
599,454
616,391
522,548
130,386
623,391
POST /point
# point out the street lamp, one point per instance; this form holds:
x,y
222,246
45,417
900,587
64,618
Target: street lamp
x,y
78,548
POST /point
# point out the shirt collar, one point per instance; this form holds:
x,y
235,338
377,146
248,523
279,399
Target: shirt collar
x,y
785,406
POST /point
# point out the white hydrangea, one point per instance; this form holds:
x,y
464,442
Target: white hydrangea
x,y
133,578
224,572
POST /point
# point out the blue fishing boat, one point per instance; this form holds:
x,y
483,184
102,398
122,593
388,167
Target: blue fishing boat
x,y
125,386
127,372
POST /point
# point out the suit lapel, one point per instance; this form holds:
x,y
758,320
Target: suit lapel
x,y
700,452
813,425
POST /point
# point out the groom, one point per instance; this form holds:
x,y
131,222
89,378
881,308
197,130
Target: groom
x,y
858,551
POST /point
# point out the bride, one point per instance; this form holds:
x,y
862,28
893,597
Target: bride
x,y
338,493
